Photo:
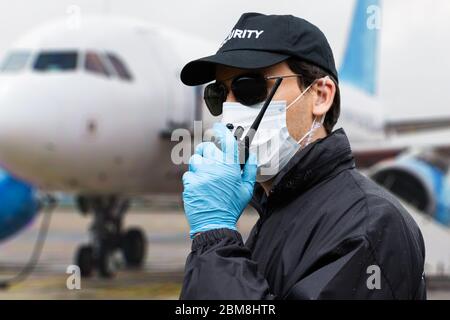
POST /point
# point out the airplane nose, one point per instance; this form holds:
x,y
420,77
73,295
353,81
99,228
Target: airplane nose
x,y
51,126
19,128
41,125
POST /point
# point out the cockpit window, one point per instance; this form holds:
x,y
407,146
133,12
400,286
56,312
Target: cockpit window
x,y
56,61
119,67
15,61
93,63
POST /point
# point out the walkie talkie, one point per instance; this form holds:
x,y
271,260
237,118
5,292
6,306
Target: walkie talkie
x,y
244,143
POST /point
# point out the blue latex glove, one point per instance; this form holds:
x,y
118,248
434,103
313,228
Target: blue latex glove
x,y
215,190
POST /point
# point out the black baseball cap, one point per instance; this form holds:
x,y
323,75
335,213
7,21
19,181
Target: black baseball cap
x,y
259,41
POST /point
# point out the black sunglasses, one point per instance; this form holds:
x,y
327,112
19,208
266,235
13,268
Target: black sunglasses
x,y
248,89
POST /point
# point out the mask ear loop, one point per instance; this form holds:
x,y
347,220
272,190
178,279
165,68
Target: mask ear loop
x,y
323,85
316,124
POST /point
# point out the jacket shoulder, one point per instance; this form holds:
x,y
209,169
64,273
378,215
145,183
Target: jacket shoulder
x,y
394,236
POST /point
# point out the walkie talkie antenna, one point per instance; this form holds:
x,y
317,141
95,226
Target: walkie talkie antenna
x,y
244,144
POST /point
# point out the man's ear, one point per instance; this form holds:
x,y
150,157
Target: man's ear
x,y
324,89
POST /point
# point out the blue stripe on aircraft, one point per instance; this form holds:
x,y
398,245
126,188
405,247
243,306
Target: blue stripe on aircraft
x,y
360,63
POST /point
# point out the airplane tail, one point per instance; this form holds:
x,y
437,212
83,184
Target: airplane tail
x,y
360,63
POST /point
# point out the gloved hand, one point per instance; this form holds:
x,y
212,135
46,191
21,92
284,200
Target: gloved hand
x,y
215,190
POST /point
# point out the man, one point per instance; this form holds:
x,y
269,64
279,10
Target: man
x,y
325,231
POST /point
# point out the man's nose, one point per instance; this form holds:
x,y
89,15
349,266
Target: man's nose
x,y
230,96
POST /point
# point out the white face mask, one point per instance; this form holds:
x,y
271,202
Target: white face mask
x,y
272,144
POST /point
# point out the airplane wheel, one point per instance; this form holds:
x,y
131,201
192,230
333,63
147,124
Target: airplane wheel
x,y
107,264
83,204
134,246
85,260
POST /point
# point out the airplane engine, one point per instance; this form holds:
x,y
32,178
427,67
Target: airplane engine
x,y
419,182
18,205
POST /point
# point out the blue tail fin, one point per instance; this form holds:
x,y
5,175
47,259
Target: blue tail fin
x,y
359,66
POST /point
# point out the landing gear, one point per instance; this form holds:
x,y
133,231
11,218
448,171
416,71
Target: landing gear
x,y
108,262
110,246
134,247
84,258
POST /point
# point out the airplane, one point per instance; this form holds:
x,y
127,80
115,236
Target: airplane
x,y
89,111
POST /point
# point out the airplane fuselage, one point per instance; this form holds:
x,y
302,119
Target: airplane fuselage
x,y
91,132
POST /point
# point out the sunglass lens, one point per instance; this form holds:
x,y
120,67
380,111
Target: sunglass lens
x,y
214,95
249,90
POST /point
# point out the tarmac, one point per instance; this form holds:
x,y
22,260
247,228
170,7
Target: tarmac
x,y
169,245
167,233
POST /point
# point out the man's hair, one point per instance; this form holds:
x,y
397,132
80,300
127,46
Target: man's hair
x,y
309,73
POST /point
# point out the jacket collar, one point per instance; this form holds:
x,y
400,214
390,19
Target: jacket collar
x,y
320,160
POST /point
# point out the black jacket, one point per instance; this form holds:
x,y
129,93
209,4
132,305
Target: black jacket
x,y
325,232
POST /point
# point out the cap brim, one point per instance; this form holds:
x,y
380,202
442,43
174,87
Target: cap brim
x,y
203,70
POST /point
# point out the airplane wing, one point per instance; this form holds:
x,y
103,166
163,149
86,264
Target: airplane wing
x,y
414,126
395,141
368,153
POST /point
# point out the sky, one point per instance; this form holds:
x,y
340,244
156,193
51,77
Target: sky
x,y
414,49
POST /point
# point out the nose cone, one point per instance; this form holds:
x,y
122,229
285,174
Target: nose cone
x,y
17,108
59,131
23,124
